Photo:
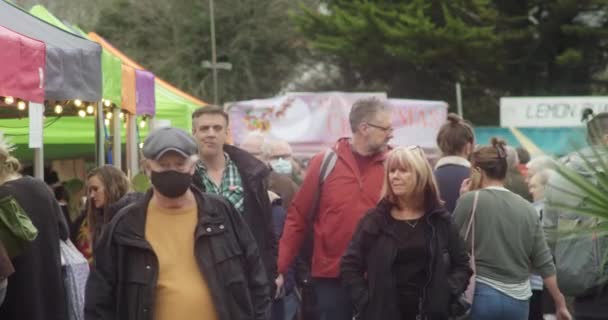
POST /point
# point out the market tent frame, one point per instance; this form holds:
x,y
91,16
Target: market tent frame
x,y
72,70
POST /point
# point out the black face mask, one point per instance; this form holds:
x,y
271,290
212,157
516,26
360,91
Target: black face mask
x,y
171,184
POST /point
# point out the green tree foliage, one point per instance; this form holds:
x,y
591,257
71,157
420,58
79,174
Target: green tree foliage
x,y
420,48
172,39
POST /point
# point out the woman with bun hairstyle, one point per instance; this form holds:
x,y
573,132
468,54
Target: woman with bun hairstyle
x,y
406,260
509,241
456,140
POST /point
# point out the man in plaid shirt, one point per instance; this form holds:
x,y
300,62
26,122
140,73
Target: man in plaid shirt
x,y
236,175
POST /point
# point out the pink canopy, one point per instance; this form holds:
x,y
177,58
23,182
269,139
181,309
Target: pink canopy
x,y
22,63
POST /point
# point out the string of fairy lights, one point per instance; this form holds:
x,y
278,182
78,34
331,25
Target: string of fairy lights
x,y
75,107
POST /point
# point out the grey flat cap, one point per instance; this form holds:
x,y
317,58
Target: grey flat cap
x,y
167,139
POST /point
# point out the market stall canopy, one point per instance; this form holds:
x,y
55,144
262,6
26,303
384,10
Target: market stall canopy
x,y
146,102
22,62
73,64
171,103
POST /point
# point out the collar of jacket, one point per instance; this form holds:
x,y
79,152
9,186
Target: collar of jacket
x,y
249,166
382,223
132,229
453,160
344,150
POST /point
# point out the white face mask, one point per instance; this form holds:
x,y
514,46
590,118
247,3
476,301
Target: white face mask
x,y
281,166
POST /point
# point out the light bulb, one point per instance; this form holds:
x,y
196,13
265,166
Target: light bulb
x,y
21,105
58,109
82,113
142,124
107,103
109,115
121,115
78,103
90,109
107,122
9,100
141,145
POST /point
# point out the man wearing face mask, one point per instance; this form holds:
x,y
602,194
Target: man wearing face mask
x,y
177,252
281,160
258,145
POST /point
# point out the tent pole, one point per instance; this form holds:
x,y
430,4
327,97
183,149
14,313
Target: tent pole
x,y
101,158
132,147
117,141
36,119
39,163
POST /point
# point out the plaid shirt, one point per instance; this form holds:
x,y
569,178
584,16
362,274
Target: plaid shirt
x,y
231,186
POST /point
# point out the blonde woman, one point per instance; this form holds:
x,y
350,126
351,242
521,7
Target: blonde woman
x,y
406,259
35,291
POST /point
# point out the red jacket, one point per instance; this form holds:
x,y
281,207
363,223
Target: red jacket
x,y
346,196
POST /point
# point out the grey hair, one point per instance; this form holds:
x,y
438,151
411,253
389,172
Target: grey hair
x,y
540,163
364,110
542,176
512,157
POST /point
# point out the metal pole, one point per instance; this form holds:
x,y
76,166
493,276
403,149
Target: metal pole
x,y
117,141
132,147
36,119
459,99
213,52
101,157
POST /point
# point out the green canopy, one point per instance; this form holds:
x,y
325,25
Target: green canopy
x,y
74,137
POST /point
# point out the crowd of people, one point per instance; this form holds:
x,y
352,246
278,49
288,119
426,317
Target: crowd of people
x,y
364,230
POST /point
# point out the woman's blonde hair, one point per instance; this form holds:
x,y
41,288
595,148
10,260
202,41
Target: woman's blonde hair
x,y
9,165
414,160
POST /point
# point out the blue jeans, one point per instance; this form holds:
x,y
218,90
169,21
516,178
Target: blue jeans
x,y
291,304
333,300
491,304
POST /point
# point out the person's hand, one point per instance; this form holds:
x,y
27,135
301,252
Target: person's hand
x,y
563,314
465,186
279,282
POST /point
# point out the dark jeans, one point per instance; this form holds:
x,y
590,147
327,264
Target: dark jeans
x,y
333,300
536,305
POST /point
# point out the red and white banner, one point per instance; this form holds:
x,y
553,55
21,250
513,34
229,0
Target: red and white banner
x,y
311,122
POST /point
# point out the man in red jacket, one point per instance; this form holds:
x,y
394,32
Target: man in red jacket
x,y
353,186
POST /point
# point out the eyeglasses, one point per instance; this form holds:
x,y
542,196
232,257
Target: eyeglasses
x,y
385,129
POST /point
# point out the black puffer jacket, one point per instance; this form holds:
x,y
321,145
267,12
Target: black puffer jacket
x,y
372,252
122,284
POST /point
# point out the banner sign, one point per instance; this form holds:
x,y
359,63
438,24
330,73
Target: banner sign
x,y
548,111
311,122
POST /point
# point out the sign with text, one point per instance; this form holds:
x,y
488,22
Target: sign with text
x,y
548,111
311,122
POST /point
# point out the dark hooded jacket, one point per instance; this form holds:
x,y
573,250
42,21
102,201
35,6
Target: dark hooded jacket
x,y
36,290
367,265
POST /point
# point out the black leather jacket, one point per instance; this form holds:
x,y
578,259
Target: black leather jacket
x,y
372,252
123,282
258,211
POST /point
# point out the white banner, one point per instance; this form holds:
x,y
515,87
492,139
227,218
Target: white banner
x,y
311,122
548,111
